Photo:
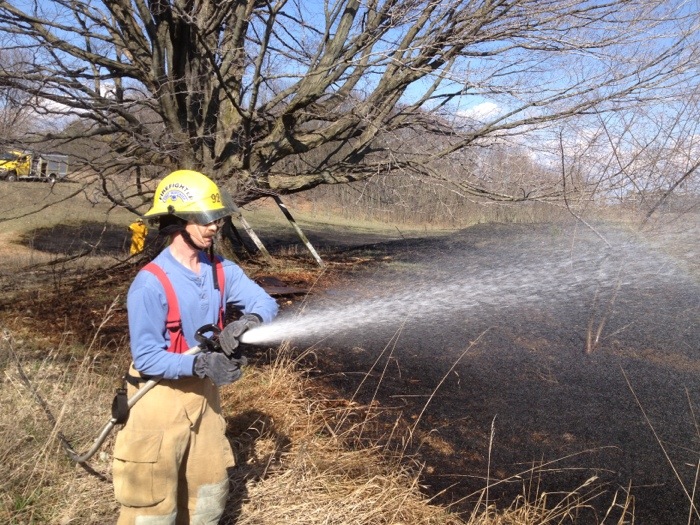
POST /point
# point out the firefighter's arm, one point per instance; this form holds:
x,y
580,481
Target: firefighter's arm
x,y
147,309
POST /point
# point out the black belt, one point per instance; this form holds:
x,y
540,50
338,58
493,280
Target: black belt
x,y
138,380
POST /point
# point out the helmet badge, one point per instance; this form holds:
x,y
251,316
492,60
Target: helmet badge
x,y
174,192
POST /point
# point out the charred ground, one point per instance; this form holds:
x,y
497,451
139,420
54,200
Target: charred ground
x,y
529,377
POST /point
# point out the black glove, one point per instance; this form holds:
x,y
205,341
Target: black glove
x,y
219,368
231,334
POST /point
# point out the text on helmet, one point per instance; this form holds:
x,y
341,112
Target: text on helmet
x,y
174,192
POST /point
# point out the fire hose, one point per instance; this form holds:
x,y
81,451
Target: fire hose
x,y
205,343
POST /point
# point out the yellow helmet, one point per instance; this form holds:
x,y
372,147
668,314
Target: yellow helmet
x,y
191,196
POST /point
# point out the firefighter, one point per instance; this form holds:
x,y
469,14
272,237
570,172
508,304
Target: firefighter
x,y
138,230
171,457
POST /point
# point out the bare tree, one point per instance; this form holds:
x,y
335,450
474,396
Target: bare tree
x,y
286,95
15,107
637,158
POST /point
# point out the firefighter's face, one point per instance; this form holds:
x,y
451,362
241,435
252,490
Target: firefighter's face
x,y
203,236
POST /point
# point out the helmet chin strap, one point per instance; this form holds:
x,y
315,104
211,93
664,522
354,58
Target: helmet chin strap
x,y
190,241
171,225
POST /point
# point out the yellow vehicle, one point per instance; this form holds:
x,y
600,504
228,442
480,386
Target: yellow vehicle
x,y
26,165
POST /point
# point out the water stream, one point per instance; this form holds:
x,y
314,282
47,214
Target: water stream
x,y
437,286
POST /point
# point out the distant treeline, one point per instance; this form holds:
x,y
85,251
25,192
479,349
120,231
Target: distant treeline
x,y
419,202
413,202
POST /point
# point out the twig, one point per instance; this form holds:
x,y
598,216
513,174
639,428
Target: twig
x,y
566,200
663,448
488,463
45,407
445,376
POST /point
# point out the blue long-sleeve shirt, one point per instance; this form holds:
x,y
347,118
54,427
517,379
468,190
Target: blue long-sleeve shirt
x,y
199,304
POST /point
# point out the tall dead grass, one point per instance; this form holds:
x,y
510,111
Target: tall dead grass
x,y
38,483
294,465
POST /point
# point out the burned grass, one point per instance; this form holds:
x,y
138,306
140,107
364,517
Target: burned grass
x,y
310,448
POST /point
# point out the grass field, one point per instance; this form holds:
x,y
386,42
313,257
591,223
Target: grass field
x,y
296,465
314,476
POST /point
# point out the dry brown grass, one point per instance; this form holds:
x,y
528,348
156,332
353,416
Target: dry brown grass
x,y
294,467
291,465
37,482
294,464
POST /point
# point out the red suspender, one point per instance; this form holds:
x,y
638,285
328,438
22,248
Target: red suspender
x,y
173,321
221,281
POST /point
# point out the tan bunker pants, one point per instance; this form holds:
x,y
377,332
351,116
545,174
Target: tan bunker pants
x,y
170,459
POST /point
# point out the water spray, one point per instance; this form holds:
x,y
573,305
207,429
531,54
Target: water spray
x,y
450,286
454,286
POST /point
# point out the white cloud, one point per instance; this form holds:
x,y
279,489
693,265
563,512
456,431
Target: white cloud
x,y
480,112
